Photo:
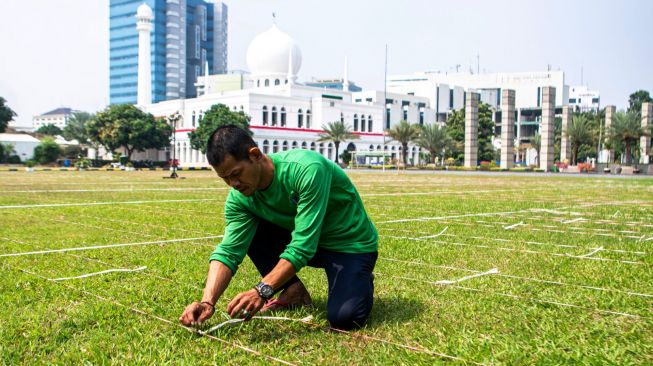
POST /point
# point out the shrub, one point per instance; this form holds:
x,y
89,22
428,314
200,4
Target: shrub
x,y
47,151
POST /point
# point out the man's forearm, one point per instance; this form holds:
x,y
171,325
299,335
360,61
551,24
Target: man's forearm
x,y
280,274
217,281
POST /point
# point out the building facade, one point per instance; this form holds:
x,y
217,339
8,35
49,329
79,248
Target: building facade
x,y
187,36
584,100
58,117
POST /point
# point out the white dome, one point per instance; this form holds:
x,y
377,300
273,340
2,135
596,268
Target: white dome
x,y
144,11
268,54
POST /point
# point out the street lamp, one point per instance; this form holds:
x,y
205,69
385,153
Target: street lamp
x,y
172,120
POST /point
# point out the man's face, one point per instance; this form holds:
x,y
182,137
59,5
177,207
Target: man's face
x,y
244,175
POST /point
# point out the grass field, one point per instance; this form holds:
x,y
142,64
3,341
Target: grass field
x,y
574,282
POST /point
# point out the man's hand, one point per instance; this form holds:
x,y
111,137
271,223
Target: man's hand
x,y
196,313
248,302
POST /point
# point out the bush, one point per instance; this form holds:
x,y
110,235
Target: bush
x,y
47,151
72,151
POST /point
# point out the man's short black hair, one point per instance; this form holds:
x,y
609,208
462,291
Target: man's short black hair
x,y
231,140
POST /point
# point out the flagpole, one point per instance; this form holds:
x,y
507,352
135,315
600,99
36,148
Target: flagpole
x,y
385,102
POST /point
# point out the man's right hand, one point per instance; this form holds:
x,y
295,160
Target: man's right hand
x,y
196,313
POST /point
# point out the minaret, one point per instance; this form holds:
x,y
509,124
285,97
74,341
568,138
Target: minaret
x,y
345,78
144,27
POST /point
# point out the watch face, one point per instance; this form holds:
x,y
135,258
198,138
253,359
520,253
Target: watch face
x,y
266,291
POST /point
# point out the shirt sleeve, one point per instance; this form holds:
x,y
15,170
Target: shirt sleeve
x,y
238,234
313,186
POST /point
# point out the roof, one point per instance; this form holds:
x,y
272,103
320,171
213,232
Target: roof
x,y
59,111
17,137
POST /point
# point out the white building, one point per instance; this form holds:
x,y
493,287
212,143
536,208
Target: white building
x,y
286,114
583,99
22,144
58,117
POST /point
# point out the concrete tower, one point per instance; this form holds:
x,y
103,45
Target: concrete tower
x,y
144,27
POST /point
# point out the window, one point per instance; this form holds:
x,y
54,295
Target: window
x,y
274,116
342,118
358,100
193,119
321,150
294,144
387,118
313,146
405,114
275,146
595,100
304,145
450,98
258,83
308,118
277,82
300,118
369,123
284,146
421,116
355,122
368,99
572,100
266,146
267,82
362,123
283,117
265,115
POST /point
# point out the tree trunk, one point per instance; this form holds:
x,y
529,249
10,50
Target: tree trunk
x,y
628,161
337,143
404,152
575,154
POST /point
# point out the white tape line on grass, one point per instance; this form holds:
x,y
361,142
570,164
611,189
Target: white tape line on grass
x,y
138,311
448,282
450,217
106,203
434,236
510,227
600,311
118,190
63,250
592,252
307,320
114,270
550,282
572,220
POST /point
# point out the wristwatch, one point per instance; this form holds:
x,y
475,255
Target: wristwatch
x,y
264,290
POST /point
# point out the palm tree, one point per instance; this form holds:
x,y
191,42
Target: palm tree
x,y
578,132
404,132
337,132
536,143
626,129
434,139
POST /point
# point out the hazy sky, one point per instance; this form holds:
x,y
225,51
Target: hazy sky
x,y
55,53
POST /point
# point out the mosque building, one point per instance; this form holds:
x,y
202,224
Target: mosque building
x,y
287,114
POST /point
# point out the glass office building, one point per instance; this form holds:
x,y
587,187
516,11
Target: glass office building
x,y
187,35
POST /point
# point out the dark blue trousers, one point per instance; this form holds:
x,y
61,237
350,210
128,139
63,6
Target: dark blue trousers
x,y
350,278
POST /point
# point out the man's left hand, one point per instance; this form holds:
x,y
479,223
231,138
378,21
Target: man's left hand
x,y
248,302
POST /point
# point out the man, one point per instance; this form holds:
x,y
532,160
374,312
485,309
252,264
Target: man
x,y
288,210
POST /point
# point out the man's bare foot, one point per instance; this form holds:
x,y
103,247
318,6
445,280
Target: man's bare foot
x,y
294,296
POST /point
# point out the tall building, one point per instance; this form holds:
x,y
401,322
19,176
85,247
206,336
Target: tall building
x,y
583,99
187,36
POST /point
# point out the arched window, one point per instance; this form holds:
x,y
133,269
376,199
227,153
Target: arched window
x,y
371,147
304,145
265,115
275,146
300,118
277,82
267,82
321,148
330,151
283,117
313,146
241,108
266,146
405,114
294,144
193,119
274,116
363,123
342,118
284,146
258,83
308,118
199,119
234,108
355,122
369,123
378,147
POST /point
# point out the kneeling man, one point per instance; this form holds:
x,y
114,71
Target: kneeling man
x,y
285,211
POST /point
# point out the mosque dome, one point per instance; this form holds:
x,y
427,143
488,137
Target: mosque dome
x,y
269,54
144,11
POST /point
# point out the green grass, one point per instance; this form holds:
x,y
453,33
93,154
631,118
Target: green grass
x,y
551,303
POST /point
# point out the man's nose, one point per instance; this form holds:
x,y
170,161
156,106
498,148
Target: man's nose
x,y
234,182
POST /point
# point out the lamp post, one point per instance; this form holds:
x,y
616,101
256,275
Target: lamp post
x,y
173,119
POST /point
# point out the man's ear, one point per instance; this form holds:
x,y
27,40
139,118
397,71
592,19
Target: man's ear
x,y
255,154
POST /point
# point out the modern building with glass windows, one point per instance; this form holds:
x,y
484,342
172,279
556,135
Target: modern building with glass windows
x,y
188,36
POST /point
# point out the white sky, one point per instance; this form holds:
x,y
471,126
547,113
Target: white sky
x,y
55,53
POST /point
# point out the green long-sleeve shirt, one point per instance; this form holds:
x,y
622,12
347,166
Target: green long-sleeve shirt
x,y
310,196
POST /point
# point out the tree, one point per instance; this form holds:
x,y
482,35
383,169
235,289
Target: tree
x,y
485,132
403,133
6,115
536,143
455,127
47,151
125,126
337,132
217,116
578,132
76,128
636,99
50,130
626,130
434,139
6,151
